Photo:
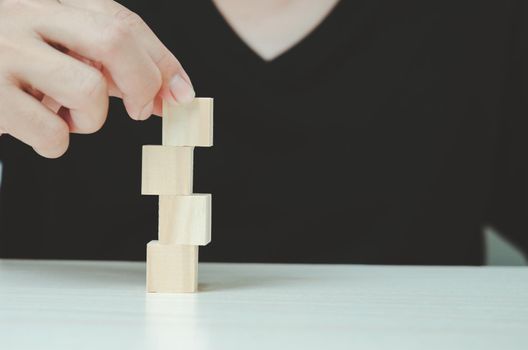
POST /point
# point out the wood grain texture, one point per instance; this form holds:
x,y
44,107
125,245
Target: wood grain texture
x,y
189,124
167,170
185,219
172,268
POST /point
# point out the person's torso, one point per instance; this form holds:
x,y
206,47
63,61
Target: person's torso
x,y
373,140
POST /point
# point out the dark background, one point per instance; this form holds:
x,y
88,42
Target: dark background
x,y
392,134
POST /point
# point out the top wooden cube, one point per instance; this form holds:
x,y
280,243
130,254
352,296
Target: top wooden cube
x,y
188,124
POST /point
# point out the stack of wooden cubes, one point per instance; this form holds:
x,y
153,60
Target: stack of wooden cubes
x,y
184,216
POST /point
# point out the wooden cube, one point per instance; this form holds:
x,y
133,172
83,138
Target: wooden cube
x,y
167,170
188,124
185,219
172,268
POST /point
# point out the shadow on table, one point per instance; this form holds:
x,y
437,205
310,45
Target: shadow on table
x,y
235,282
225,276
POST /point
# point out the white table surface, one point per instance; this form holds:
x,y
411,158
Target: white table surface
x,y
102,305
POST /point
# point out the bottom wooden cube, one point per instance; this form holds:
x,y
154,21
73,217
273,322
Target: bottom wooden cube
x,y
172,268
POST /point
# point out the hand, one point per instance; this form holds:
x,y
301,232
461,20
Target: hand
x,y
61,60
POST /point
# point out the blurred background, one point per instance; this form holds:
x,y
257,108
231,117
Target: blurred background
x,y
499,252
373,69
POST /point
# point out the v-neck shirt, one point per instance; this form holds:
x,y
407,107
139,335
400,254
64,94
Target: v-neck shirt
x,y
392,134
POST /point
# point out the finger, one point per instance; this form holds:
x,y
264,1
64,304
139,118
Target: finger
x,y
159,53
32,123
176,82
70,83
109,41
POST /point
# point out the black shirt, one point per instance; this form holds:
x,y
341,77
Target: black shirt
x,y
392,134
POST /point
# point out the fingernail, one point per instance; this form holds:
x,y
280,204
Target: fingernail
x,y
181,90
147,111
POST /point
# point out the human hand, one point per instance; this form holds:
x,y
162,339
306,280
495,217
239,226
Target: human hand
x,y
61,60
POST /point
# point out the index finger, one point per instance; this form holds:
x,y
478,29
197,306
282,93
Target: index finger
x,y
110,41
176,84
